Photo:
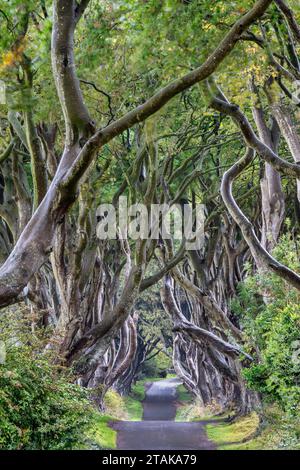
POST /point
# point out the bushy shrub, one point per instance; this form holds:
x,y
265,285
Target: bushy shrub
x,y
270,312
40,407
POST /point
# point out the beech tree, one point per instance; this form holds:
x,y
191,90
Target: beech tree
x,y
164,137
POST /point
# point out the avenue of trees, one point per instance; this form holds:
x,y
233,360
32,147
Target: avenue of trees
x,y
172,101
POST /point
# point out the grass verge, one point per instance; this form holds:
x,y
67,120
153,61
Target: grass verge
x,y
100,435
233,435
277,432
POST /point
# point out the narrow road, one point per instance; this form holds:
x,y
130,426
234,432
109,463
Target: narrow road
x,y
158,430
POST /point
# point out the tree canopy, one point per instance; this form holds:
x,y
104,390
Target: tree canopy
x,y
176,102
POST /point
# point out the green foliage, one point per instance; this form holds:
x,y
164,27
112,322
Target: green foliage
x,y
271,316
154,367
40,408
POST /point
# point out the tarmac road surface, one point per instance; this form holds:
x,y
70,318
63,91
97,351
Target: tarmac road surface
x,y
158,430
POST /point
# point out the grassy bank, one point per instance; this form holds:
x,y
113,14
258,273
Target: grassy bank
x,y
100,435
278,431
233,435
